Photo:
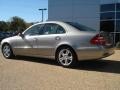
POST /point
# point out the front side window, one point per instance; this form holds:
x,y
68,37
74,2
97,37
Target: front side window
x,y
35,30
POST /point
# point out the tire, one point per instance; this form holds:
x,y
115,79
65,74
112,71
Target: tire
x,y
66,57
7,51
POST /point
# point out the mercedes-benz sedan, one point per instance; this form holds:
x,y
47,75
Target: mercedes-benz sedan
x,y
66,42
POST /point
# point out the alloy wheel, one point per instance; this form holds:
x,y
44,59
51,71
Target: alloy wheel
x,y
6,50
65,57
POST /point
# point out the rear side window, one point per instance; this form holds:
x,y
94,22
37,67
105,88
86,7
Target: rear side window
x,y
50,29
80,27
53,29
60,30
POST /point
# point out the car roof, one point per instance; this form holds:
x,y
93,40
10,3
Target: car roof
x,y
64,24
50,22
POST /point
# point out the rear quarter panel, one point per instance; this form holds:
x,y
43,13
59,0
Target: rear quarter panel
x,y
82,46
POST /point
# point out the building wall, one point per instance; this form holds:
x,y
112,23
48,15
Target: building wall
x,y
82,11
86,12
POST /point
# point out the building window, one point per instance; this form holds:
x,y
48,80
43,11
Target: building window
x,y
117,15
118,7
110,19
107,7
118,26
107,16
107,26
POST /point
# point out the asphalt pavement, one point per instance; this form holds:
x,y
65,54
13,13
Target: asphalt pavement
x,y
27,73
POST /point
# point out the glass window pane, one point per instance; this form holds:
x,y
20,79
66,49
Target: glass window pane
x,y
118,15
60,30
50,29
118,6
108,15
107,7
107,26
117,39
80,26
118,25
35,30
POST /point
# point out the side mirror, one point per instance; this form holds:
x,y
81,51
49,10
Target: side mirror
x,y
21,35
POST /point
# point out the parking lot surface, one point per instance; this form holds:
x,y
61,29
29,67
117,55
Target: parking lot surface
x,y
27,73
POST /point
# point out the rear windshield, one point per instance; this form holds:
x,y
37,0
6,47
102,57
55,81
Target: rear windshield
x,y
80,27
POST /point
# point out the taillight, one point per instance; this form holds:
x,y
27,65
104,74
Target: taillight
x,y
98,40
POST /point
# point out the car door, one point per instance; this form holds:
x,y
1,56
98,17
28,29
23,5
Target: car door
x,y
52,35
27,43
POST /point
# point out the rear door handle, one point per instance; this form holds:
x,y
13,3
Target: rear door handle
x,y
57,38
35,39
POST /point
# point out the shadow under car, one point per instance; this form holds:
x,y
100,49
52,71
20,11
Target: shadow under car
x,y
108,66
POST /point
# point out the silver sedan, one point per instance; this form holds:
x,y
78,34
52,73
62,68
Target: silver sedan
x,y
66,42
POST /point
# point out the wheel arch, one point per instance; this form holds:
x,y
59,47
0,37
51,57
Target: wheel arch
x,y
65,45
4,44
8,44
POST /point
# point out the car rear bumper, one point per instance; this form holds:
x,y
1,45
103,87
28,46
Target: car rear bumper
x,y
91,53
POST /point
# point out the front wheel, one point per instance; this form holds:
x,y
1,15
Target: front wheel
x,y
7,51
66,57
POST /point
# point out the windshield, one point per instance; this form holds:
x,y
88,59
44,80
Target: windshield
x,y
80,27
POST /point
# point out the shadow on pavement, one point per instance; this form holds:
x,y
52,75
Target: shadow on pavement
x,y
108,66
36,60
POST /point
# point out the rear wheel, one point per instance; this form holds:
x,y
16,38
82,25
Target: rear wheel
x,y
7,51
66,57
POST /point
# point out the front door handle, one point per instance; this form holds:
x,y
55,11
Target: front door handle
x,y
57,38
